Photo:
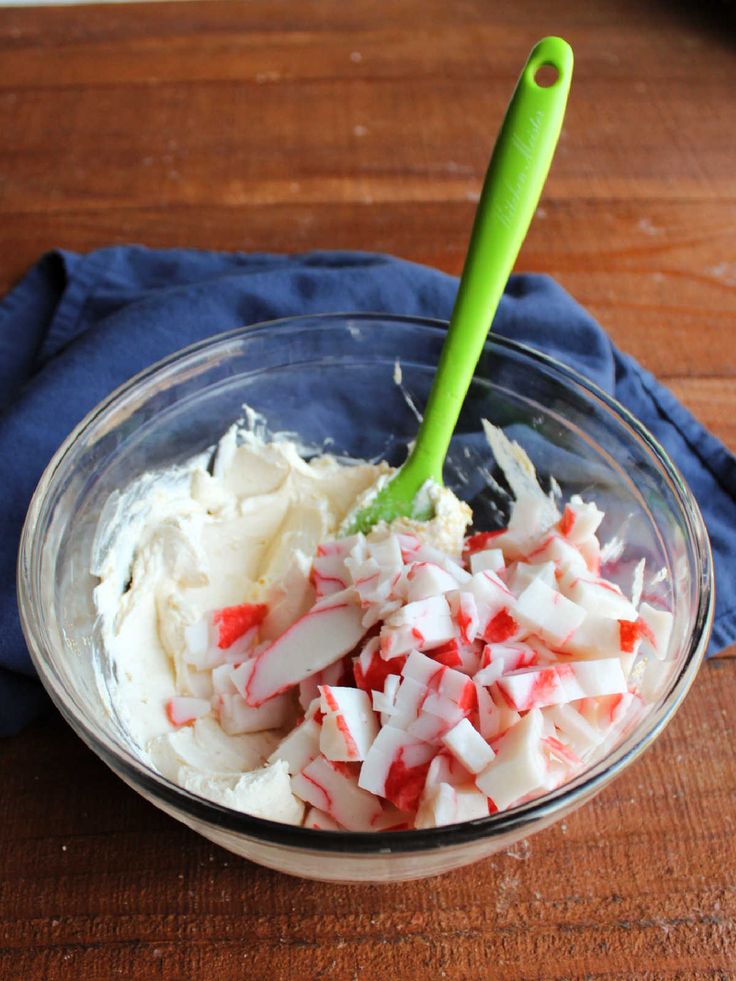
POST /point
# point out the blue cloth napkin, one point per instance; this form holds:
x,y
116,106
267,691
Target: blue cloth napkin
x,y
77,326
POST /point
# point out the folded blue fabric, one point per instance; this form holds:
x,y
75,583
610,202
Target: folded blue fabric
x,y
77,326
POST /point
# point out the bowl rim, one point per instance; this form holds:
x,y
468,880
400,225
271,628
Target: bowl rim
x,y
170,796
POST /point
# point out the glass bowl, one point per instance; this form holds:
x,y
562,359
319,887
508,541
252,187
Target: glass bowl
x,y
334,376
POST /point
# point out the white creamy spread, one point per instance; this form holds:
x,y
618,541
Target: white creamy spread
x,y
181,542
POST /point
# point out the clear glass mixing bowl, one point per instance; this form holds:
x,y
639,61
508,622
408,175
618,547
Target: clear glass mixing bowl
x,y
334,376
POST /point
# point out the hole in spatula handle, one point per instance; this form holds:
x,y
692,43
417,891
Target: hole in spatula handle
x,y
546,75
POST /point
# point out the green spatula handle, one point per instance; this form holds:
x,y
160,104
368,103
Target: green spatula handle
x,y
511,191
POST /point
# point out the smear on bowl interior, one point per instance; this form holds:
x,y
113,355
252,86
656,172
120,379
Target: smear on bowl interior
x,y
412,677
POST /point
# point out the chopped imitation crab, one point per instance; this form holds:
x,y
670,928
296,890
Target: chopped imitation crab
x,y
181,710
329,567
419,625
501,627
489,558
518,768
234,621
444,804
557,684
300,747
237,716
655,630
349,724
371,670
468,746
328,786
223,636
396,767
322,636
435,688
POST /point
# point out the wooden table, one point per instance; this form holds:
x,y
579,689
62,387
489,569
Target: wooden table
x,y
367,125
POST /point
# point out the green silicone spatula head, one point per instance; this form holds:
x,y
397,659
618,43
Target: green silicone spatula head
x,y
511,190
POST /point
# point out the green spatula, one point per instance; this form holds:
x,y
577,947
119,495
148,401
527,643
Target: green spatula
x,y
512,188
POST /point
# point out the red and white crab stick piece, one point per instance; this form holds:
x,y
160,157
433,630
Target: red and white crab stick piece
x,y
396,767
223,636
385,701
331,629
417,626
522,574
443,804
430,727
238,718
556,684
656,630
489,558
519,766
338,673
326,785
580,520
598,596
371,670
372,588
549,614
447,682
349,725
566,558
491,595
422,580
299,747
329,570
314,818
464,610
495,715
468,746
181,710
503,658
444,768
387,553
578,733
599,636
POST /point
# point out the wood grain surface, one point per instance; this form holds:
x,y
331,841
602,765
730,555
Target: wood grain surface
x,y
284,126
